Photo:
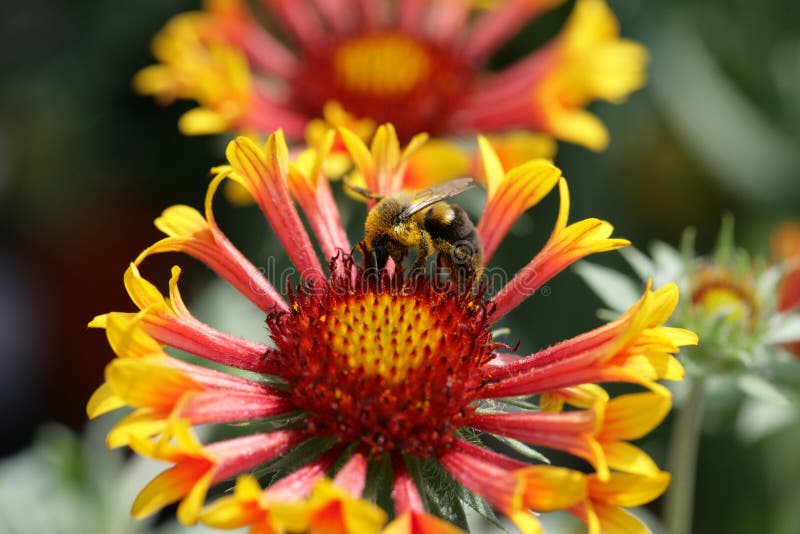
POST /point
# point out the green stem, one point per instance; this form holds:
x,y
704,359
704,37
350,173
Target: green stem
x,y
683,460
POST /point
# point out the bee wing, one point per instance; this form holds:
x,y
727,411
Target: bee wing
x,y
431,196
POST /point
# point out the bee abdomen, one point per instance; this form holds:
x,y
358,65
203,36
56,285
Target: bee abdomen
x,y
449,222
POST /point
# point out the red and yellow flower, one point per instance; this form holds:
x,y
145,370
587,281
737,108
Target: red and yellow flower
x,y
786,249
374,377
418,64
719,292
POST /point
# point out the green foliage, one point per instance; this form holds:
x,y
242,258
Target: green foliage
x,y
68,484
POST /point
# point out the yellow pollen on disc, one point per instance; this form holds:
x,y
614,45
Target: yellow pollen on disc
x,y
384,65
386,335
725,300
717,292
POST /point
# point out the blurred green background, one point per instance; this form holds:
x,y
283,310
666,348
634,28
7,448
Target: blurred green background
x,y
86,165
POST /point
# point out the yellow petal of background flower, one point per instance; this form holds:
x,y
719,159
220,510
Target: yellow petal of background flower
x,y
435,162
416,143
385,147
155,80
580,127
516,147
616,69
202,121
360,154
492,169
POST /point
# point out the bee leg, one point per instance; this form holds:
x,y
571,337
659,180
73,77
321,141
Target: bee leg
x,y
457,260
424,249
446,258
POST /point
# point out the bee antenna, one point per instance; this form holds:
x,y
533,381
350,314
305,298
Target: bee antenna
x,y
360,191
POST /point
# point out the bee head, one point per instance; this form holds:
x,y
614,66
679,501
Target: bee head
x,y
385,246
380,254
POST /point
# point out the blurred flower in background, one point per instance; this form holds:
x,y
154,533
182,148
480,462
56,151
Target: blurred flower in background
x,y
420,65
786,250
745,323
740,306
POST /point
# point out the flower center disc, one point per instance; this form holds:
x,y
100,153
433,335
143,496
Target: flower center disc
x,y
393,364
387,65
388,76
715,290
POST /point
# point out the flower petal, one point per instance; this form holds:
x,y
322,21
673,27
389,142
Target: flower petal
x,y
520,188
103,400
567,244
413,522
548,488
632,416
628,490
623,456
263,174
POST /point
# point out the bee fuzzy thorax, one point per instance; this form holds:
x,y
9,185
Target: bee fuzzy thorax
x,y
425,222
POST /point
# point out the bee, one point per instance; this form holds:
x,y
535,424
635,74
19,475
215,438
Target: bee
x,y
406,220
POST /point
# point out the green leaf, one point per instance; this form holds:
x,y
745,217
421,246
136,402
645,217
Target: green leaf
x,y
669,263
224,308
767,282
786,372
440,493
61,450
480,506
784,329
378,486
306,452
517,402
615,289
726,246
523,449
762,389
687,244
758,419
269,424
638,260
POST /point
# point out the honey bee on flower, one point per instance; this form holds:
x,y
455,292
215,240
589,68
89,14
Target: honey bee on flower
x,y
425,222
363,411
